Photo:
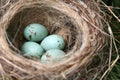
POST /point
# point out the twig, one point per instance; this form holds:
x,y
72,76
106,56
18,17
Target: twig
x,y
109,69
110,11
114,62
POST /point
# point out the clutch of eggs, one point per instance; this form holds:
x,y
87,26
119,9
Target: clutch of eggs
x,y
52,44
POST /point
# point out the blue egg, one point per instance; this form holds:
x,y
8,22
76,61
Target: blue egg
x,y
53,42
32,49
52,54
35,32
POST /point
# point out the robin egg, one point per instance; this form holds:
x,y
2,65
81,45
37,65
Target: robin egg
x,y
32,49
52,55
53,42
35,32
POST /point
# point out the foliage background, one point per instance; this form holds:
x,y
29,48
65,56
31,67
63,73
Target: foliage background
x,y
114,74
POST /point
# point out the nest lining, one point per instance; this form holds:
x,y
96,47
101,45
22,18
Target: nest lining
x,y
55,22
75,22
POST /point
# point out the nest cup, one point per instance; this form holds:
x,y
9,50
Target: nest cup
x,y
74,20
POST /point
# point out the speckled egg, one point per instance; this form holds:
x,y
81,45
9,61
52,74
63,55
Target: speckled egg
x,y
53,42
32,49
35,32
52,54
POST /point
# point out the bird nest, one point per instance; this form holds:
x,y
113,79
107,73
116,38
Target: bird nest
x,y
77,23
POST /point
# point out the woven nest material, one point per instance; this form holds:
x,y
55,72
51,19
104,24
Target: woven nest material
x,y
80,26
